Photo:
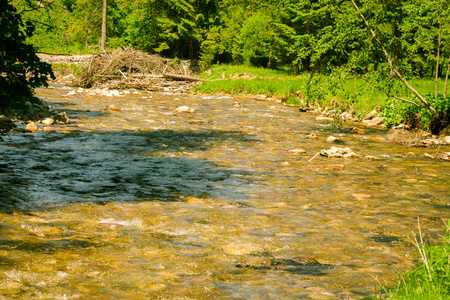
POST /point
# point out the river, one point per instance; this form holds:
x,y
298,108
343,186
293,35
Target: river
x,y
142,202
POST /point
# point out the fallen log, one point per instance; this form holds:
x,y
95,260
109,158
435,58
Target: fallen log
x,y
182,77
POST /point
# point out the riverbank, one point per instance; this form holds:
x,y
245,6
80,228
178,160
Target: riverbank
x,y
335,101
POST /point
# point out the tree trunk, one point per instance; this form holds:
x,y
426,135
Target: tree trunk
x,y
103,41
446,78
437,62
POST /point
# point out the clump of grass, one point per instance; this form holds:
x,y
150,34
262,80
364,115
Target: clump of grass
x,y
430,279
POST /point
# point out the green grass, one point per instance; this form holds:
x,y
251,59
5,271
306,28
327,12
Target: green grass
x,y
325,90
430,280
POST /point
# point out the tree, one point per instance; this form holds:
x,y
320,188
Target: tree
x,y
103,40
20,68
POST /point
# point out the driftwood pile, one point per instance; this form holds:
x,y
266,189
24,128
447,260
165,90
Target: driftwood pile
x,y
128,68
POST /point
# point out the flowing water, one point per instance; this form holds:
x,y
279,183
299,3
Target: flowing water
x,y
146,203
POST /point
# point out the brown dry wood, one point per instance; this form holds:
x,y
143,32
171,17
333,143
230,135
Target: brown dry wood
x,y
182,77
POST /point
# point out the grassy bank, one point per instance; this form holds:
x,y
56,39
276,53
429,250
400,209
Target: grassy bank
x,y
430,280
329,90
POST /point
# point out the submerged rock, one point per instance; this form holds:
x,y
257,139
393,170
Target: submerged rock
x,y
241,249
358,130
331,139
324,119
337,152
49,129
297,151
112,107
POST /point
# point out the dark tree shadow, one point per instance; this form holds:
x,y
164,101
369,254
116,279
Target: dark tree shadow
x,y
50,170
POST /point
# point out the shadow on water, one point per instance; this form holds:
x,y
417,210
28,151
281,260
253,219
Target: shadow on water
x,y
48,247
48,170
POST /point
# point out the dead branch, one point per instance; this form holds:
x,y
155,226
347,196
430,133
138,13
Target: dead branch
x,y
110,65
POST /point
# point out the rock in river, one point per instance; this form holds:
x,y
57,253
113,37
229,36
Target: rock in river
x,y
48,121
297,151
184,109
31,127
338,152
324,119
331,139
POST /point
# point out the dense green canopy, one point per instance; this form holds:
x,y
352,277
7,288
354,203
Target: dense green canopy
x,y
306,34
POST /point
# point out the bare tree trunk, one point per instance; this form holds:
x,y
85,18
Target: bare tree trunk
x,y
446,78
103,41
437,62
393,69
86,32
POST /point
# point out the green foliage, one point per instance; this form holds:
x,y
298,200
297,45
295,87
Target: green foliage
x,y
258,42
20,68
429,280
397,111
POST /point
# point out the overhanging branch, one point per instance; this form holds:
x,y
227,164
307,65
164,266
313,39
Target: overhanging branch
x,y
386,92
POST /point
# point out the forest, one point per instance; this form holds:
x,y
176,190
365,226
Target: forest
x,y
303,34
382,42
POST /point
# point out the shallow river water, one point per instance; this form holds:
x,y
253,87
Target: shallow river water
x,y
146,203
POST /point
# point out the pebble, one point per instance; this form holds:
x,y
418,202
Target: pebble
x,y
184,109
